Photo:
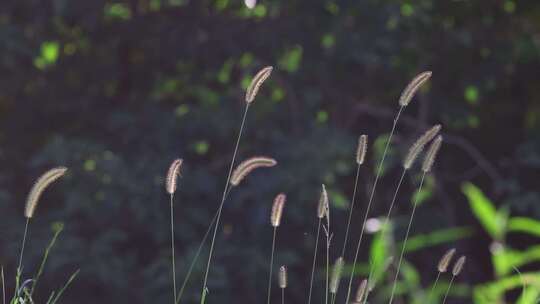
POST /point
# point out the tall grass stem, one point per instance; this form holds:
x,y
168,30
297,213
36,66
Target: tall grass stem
x,y
204,289
172,249
271,265
314,260
415,204
23,243
377,176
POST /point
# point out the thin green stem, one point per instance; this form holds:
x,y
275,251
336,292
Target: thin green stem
x,y
197,254
204,289
433,287
172,249
353,200
415,204
314,260
23,243
44,259
448,289
282,295
379,171
271,265
387,219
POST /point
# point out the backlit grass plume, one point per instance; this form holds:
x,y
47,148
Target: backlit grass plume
x,y
171,183
172,176
419,145
442,267
404,100
361,292
41,184
256,83
456,270
275,220
248,166
33,198
412,87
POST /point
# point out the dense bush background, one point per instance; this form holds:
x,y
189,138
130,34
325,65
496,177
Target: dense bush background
x,y
116,89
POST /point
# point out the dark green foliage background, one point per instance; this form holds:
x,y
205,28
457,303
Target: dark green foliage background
x,y
116,90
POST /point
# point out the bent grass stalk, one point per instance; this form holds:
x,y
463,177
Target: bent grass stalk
x,y
32,201
427,165
413,153
251,93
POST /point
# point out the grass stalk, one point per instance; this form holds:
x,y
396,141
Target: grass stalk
x,y
3,287
448,289
23,244
282,295
353,200
172,249
205,288
415,204
433,287
314,260
371,196
271,265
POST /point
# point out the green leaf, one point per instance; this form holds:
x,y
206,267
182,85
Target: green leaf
x,y
437,237
484,210
524,225
506,259
493,292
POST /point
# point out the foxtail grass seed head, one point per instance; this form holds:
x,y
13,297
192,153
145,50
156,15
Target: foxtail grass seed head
x,y
257,81
419,145
412,87
362,149
458,266
429,159
277,209
250,3
249,165
445,260
40,185
361,291
172,176
323,203
336,275
282,277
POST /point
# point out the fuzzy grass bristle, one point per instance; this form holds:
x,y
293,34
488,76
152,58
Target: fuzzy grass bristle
x,y
277,209
445,260
336,275
171,182
256,83
39,186
245,167
362,149
419,145
323,203
458,266
413,87
432,154
361,291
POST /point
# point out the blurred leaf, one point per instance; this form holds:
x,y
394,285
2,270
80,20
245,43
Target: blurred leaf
x,y
493,292
524,225
437,237
290,60
505,259
484,210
